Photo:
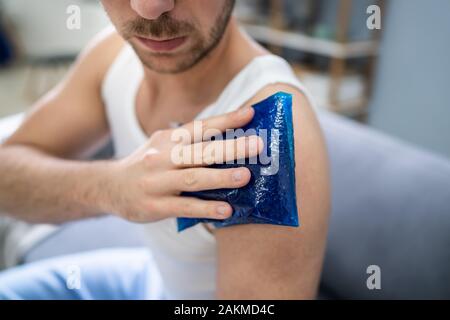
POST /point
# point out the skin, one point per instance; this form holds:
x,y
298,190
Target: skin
x,y
254,261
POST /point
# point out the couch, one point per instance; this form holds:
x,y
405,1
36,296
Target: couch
x,y
390,208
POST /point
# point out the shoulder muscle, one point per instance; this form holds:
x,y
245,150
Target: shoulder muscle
x,y
266,261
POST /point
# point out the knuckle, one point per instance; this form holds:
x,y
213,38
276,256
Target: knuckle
x,y
151,206
190,179
142,184
208,153
249,145
180,135
158,134
237,146
150,159
205,125
154,139
131,215
255,143
148,210
162,135
188,209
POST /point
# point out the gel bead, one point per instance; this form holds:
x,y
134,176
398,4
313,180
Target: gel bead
x,y
269,197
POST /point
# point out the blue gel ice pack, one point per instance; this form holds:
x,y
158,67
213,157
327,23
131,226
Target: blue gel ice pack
x,y
269,197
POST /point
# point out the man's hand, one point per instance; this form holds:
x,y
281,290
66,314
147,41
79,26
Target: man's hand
x,y
42,182
146,185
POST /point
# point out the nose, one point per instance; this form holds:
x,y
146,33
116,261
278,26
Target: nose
x,y
152,9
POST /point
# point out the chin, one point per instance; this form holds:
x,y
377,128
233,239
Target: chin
x,y
167,63
162,65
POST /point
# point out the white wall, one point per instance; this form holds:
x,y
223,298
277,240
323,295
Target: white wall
x,y
41,25
412,91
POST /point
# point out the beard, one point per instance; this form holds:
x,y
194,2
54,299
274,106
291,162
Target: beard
x,y
167,27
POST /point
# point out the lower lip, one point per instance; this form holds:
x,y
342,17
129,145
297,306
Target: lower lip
x,y
162,46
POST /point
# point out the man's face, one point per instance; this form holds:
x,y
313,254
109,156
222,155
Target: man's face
x,y
170,36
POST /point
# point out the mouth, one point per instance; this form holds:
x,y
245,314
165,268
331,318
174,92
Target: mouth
x,y
166,45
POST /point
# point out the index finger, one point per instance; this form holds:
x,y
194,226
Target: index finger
x,y
205,129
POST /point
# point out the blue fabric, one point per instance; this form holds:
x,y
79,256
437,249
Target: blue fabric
x,y
109,274
270,197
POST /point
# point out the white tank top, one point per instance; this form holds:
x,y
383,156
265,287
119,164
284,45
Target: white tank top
x,y
186,260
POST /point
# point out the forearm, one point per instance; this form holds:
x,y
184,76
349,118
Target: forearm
x,y
37,187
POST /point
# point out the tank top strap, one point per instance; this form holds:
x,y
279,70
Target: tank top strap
x,y
261,72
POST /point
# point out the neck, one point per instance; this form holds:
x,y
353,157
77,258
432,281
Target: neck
x,y
232,53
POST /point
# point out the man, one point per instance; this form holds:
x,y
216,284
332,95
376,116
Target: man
x,y
167,62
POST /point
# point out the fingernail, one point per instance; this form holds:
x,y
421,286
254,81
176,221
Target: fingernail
x,y
237,176
222,211
245,110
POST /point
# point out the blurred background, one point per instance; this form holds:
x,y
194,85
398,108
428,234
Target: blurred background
x,y
390,169
394,79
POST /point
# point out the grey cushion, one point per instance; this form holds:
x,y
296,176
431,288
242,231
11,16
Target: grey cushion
x,y
391,208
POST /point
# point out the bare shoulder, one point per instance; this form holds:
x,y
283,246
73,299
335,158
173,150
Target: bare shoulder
x,y
265,261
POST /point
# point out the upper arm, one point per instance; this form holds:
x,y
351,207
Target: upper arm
x,y
70,119
267,261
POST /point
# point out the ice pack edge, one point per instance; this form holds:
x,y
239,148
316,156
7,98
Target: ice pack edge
x,y
279,101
